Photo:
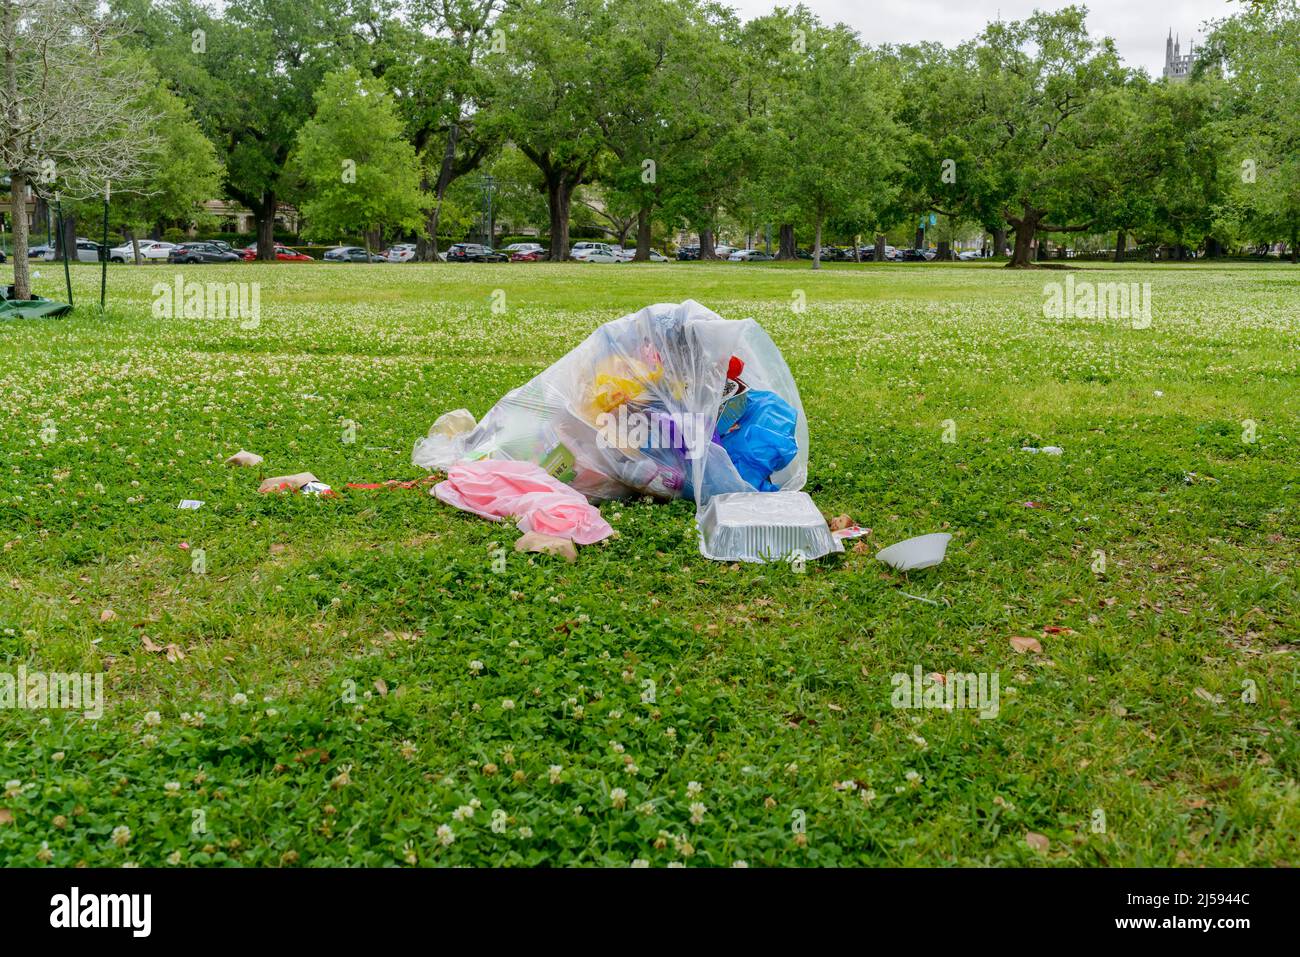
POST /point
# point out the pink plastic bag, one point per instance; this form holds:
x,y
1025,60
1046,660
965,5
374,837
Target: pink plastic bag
x,y
495,489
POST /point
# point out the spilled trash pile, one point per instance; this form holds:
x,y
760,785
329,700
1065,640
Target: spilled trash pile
x,y
671,402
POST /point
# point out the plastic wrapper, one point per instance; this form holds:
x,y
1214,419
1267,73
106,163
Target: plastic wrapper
x,y
764,527
635,408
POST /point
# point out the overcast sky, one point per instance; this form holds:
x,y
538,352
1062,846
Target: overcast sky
x,y
1139,27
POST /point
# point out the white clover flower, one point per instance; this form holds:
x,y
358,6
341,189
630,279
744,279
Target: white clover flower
x,y
525,832
57,756
121,835
697,813
618,797
475,666
174,858
694,789
617,748
739,863
462,812
239,699
172,788
640,862
445,836
508,704
152,719
554,771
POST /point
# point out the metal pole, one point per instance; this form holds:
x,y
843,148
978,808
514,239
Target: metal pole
x,y
103,251
63,241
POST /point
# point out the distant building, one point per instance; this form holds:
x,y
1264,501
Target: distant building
x,y
233,218
1178,65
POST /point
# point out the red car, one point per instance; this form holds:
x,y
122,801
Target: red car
x,y
528,256
282,254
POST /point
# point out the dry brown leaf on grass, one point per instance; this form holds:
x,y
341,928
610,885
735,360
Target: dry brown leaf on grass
x,y
6,816
174,653
150,645
107,614
1021,644
382,687
1037,842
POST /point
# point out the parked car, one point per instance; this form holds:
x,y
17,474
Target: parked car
x,y
749,256
968,254
594,253
38,252
917,255
475,253
629,255
400,253
723,251
523,248
87,252
282,254
351,254
200,253
580,251
150,250
535,254
221,244
688,253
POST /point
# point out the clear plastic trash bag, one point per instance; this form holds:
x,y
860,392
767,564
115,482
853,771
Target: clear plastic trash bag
x,y
635,409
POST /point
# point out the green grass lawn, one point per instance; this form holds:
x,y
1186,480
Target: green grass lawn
x,y
325,710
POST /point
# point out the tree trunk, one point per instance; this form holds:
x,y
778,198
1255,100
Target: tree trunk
x,y
266,228
1042,254
18,208
426,247
557,202
66,241
706,244
878,254
944,253
1000,241
817,245
135,247
786,248
1022,251
1121,243
1295,245
642,235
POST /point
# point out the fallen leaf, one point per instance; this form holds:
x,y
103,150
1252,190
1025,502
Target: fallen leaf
x,y
1209,696
107,614
382,687
1022,644
174,653
150,645
1038,842
6,816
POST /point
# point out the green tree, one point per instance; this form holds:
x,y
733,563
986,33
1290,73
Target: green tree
x,y
549,99
826,139
1258,50
357,170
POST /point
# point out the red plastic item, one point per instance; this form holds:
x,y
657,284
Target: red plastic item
x,y
735,367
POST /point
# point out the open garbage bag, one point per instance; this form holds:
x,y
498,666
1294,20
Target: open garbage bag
x,y
673,401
